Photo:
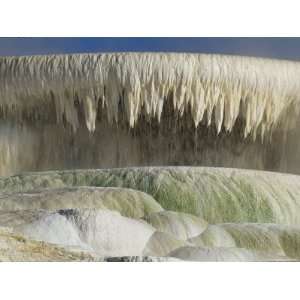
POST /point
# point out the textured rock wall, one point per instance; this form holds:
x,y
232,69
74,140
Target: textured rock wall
x,y
134,109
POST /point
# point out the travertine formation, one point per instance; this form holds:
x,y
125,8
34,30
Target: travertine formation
x,y
258,90
77,113
141,109
183,213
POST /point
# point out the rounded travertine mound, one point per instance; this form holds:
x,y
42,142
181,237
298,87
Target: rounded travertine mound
x,y
17,248
103,232
182,226
272,238
213,237
224,254
161,244
127,202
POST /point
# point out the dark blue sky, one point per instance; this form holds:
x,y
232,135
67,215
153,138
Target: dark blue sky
x,y
285,48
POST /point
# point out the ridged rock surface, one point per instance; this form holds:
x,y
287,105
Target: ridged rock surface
x,y
128,202
218,195
112,110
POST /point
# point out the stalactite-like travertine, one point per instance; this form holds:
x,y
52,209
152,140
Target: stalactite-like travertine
x,y
139,109
259,91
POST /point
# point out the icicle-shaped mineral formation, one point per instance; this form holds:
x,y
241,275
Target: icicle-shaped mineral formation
x,y
127,97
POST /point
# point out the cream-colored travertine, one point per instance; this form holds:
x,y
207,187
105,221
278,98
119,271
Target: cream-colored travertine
x,y
91,111
133,109
259,90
